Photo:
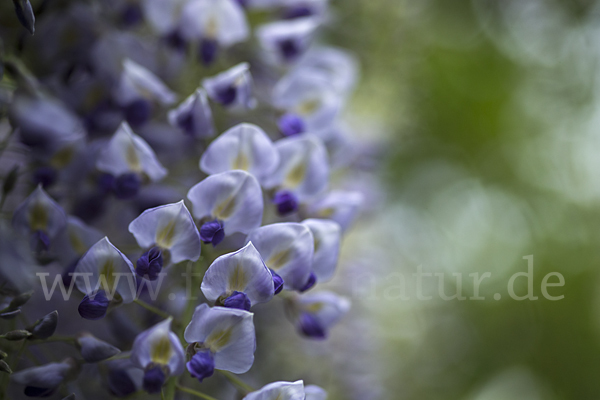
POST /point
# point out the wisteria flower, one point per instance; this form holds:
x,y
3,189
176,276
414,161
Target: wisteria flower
x,y
232,88
279,391
220,338
43,381
159,353
287,248
239,279
227,202
338,66
314,392
104,275
194,116
39,218
315,314
286,41
327,236
169,234
340,206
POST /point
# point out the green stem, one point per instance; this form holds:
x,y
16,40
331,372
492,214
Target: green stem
x,y
237,382
151,308
195,393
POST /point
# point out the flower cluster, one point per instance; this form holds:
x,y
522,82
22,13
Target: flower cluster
x,y
143,138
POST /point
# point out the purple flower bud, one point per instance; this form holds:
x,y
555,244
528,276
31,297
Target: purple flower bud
x,y
226,95
286,202
212,232
202,365
291,124
46,176
289,49
312,279
154,379
94,308
138,112
208,50
277,282
176,41
106,182
120,383
150,264
237,300
127,185
25,14
311,327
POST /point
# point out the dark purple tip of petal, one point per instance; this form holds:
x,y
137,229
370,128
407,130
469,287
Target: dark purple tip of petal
x,y
226,95
32,391
242,3
291,124
138,112
298,12
150,264
120,383
311,327
290,49
154,379
46,176
212,232
286,202
40,241
176,41
93,307
131,15
208,51
237,300
187,123
312,280
277,282
127,186
106,182
201,365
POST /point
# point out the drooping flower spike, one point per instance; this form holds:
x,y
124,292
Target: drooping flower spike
x,y
170,235
244,146
39,218
239,279
194,116
213,24
220,338
327,236
314,314
279,391
340,206
286,41
287,249
159,353
302,173
138,91
43,381
227,203
232,88
129,158
104,275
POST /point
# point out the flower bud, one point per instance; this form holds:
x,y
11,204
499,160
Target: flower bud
x,y
4,367
286,202
291,124
212,232
277,282
154,378
44,327
94,308
150,264
237,300
201,365
312,280
17,335
25,14
95,350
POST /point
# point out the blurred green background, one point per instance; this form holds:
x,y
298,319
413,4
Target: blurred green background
x,y
492,109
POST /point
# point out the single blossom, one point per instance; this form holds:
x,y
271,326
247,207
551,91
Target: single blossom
x,y
169,234
72,242
194,116
43,381
159,353
327,236
339,67
232,88
39,218
279,391
244,146
315,314
239,279
286,41
220,338
228,202
126,153
340,206
94,350
287,248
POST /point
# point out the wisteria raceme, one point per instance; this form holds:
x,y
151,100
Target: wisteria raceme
x,y
177,176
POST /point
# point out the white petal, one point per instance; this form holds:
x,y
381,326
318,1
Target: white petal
x,y
314,392
279,391
327,237
138,82
222,20
340,206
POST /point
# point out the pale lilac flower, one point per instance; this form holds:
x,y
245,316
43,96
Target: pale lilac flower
x,y
315,314
286,41
232,88
194,116
279,391
314,392
327,236
340,206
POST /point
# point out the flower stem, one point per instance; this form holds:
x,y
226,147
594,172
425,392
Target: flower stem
x,y
151,308
195,393
243,386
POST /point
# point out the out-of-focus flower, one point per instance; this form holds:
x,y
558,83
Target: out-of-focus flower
x,y
94,350
44,327
342,207
159,353
25,14
127,156
239,279
43,381
15,268
104,274
327,236
315,313
338,66
194,116
229,201
169,233
279,391
314,392
220,338
72,242
232,88
286,41
40,218
287,248
123,377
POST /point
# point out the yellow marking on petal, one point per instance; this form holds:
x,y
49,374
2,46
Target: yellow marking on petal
x,y
38,217
237,279
314,307
161,351
225,208
308,107
327,212
279,259
317,243
164,237
295,176
218,339
76,243
107,275
212,26
133,160
241,161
